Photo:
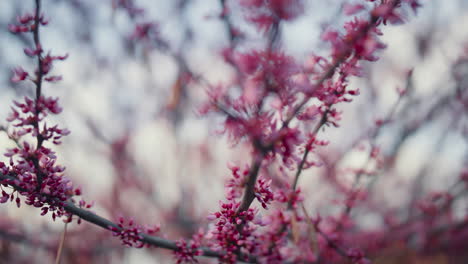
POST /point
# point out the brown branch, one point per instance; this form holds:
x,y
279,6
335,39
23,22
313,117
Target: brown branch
x,y
61,243
39,73
373,21
38,83
353,195
107,224
323,121
249,194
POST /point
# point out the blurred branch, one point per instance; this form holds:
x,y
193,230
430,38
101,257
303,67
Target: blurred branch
x,y
107,224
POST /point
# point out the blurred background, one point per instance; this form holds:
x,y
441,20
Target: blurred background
x,y
138,73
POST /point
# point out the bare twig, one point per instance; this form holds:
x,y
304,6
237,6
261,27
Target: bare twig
x,y
62,242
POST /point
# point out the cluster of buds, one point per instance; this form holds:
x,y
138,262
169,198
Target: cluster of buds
x,y
32,168
130,233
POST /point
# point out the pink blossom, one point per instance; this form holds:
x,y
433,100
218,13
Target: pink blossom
x,y
33,52
130,233
17,29
53,78
351,9
25,19
19,75
265,13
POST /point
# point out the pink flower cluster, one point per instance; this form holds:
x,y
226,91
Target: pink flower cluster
x,y
265,13
130,233
276,92
187,252
144,31
277,106
25,116
33,168
234,232
27,23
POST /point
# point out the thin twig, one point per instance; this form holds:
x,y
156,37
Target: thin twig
x,y
62,242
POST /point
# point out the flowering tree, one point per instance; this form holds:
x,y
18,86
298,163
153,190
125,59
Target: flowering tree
x,y
318,170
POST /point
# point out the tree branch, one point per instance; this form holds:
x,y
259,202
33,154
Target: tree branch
x,y
106,224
